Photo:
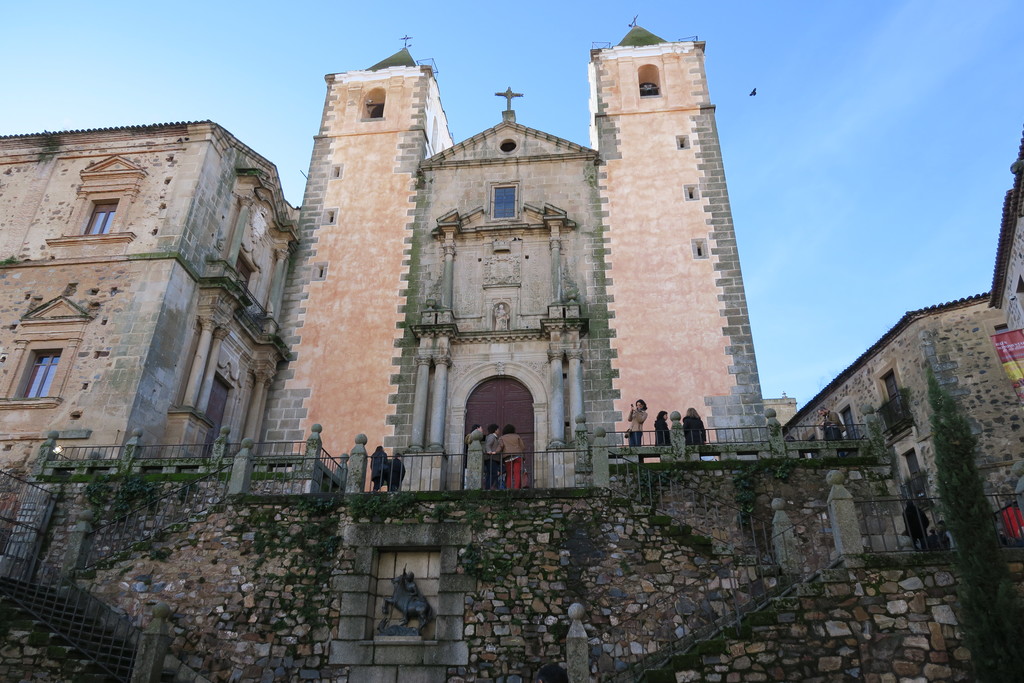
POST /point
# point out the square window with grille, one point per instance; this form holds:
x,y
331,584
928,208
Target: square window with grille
x,y
41,373
504,202
101,218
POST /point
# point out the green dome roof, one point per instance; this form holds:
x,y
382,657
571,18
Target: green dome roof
x,y
400,58
638,36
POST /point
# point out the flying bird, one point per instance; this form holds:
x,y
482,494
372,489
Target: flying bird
x,y
753,92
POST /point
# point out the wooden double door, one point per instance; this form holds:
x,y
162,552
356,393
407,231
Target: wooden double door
x,y
502,401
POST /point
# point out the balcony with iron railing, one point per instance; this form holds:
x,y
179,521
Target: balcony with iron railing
x,y
895,413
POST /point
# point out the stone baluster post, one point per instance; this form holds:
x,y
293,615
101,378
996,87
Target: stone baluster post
x,y
343,471
311,464
419,401
79,542
241,470
556,406
357,466
220,448
776,442
475,461
46,449
678,438
599,461
438,403
843,517
154,643
584,469
577,652
784,538
131,450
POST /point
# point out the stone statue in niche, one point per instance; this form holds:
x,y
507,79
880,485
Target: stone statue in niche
x,y
258,222
409,601
501,316
502,269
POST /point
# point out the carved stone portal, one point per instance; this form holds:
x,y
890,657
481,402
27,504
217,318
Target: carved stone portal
x,y
410,603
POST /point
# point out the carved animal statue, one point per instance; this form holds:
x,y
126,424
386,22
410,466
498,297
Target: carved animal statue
x,y
408,600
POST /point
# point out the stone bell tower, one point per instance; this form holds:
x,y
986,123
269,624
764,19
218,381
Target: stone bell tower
x,y
347,289
683,334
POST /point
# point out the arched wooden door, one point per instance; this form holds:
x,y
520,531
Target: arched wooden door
x,y
503,401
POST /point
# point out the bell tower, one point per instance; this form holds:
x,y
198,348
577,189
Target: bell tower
x,y
348,280
682,332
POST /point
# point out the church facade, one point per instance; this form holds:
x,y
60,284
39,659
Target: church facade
x,y
516,277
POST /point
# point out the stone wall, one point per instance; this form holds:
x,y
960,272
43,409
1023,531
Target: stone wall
x,y
878,624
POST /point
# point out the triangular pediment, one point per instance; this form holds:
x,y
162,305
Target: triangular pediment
x,y
508,142
59,309
115,165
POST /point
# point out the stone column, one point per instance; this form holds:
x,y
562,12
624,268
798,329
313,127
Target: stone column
x,y
241,470
357,466
131,451
843,517
556,406
784,538
475,461
220,446
46,449
678,438
211,367
556,266
577,652
195,375
575,383
154,644
419,401
263,376
448,276
277,286
776,442
78,543
599,461
438,403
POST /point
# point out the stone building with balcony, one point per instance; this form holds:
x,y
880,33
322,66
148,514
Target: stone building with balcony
x,y
141,281
952,340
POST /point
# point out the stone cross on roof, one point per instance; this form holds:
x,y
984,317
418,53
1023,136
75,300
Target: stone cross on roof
x,y
508,95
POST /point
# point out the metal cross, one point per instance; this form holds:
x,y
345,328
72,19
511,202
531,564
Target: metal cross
x,y
508,95
405,40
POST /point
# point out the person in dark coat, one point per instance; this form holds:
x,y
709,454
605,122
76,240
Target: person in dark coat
x,y
694,433
662,435
492,459
379,468
917,525
396,473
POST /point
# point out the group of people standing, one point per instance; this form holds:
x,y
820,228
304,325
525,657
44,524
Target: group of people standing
x,y
504,459
384,472
694,433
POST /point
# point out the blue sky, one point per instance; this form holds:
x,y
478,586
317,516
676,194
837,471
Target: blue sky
x,y
866,177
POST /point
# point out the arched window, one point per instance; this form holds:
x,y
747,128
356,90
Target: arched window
x,y
375,104
650,81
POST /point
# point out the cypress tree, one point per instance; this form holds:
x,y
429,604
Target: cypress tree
x,y
991,613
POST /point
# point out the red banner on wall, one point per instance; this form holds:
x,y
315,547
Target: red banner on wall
x,y
1010,348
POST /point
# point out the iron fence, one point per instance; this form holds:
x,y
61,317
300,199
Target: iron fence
x,y
75,453
286,468
816,432
138,525
554,469
24,514
900,525
719,435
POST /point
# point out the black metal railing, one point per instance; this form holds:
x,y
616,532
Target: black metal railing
x,y
288,468
142,523
24,515
890,525
252,312
895,413
717,435
105,637
554,469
